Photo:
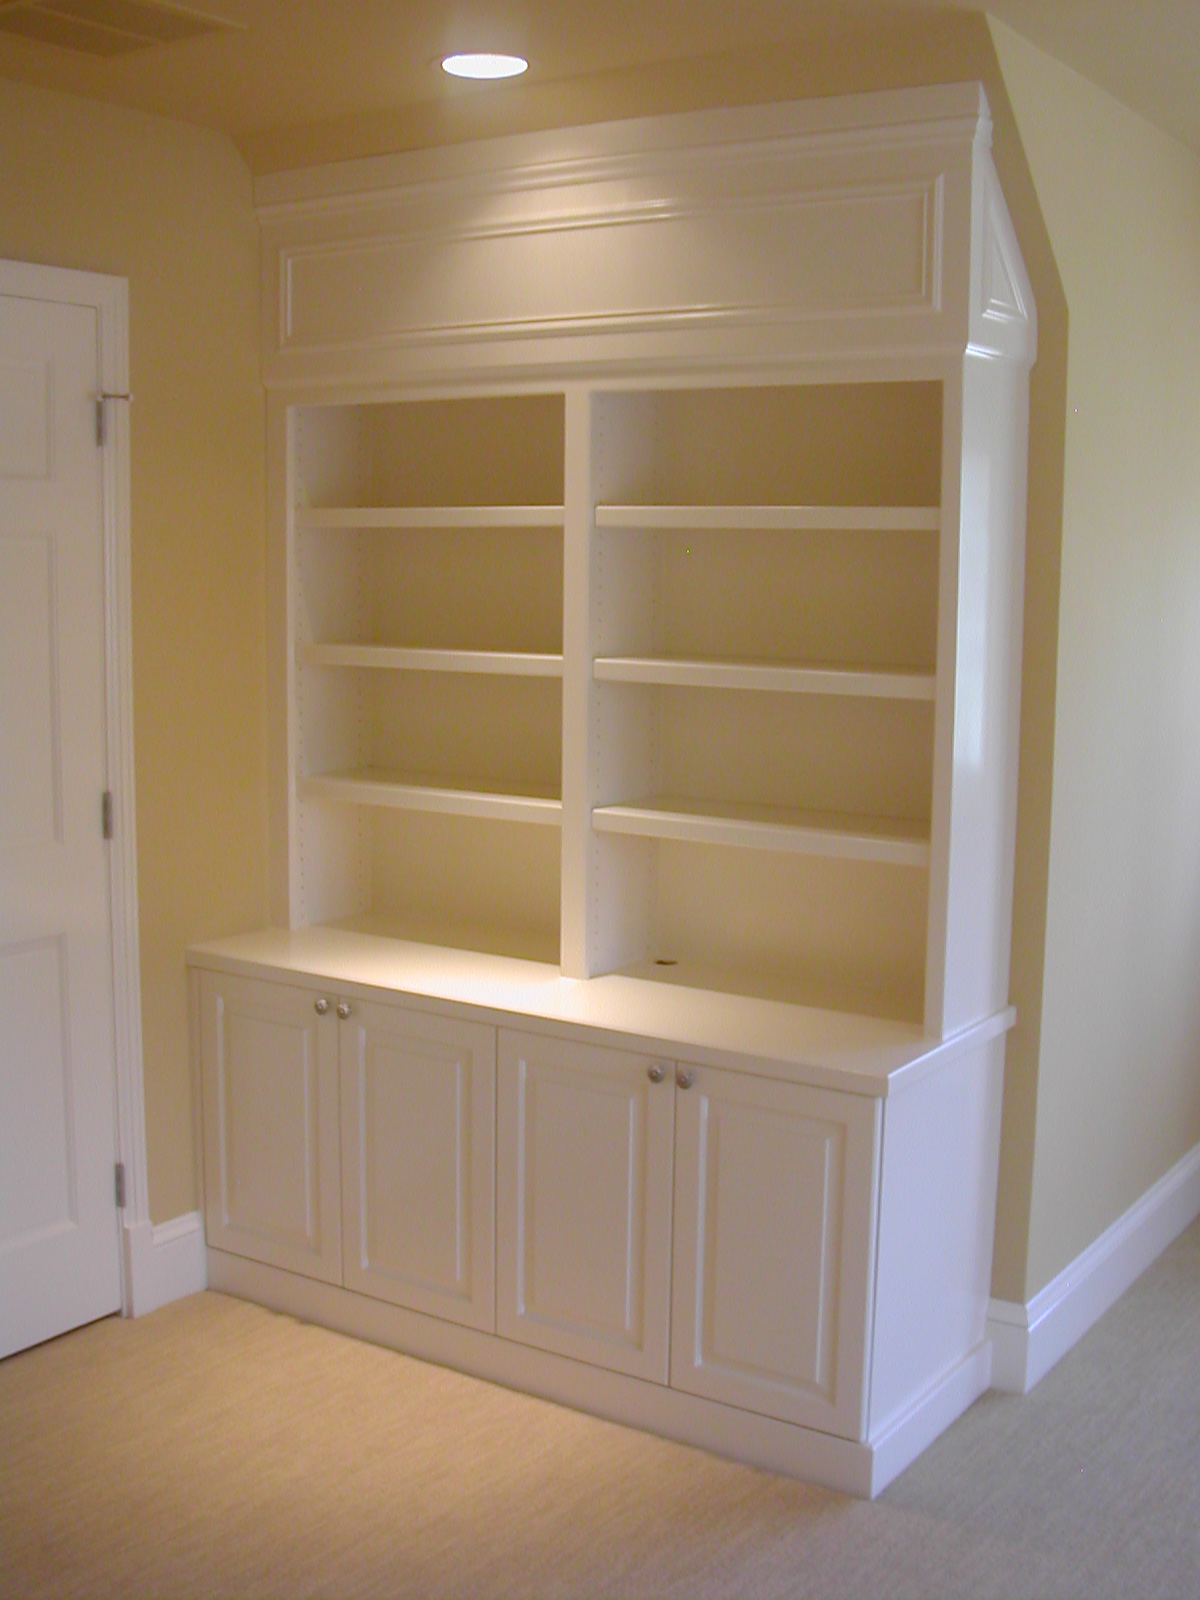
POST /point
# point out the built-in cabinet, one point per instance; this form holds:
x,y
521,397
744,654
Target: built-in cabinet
x,y
585,1163
272,1170
645,585
773,1247
671,1221
417,1149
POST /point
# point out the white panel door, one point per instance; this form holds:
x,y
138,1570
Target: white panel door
x,y
773,1247
269,1065
59,1232
418,1144
583,1202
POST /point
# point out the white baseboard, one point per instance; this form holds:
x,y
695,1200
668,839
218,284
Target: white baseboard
x,y
843,1464
163,1262
929,1415
1027,1340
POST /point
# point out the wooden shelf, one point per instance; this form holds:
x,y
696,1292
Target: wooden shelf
x,y
820,833
865,682
507,663
859,519
830,1049
429,516
370,786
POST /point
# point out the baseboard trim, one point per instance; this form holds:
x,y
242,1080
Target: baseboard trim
x,y
929,1415
1029,1339
784,1447
164,1262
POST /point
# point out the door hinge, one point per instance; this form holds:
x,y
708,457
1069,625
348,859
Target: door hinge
x,y
106,814
120,1185
102,416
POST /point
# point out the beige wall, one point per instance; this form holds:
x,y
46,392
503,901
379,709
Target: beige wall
x,y
1118,1081
169,207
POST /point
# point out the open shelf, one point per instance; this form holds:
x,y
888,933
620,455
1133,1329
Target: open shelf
x,y
776,677
427,615
777,828
778,518
412,517
501,663
471,461
409,792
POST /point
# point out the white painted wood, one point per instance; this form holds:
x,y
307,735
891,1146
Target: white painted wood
x,y
166,1261
799,1044
790,518
719,420
418,1141
941,1143
380,789
583,1205
429,516
503,663
269,1065
60,1256
774,677
930,1414
283,734
774,1248
842,1464
580,758
773,1216
987,694
767,828
1029,1339
760,234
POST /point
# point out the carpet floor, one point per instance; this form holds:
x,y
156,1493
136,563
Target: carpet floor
x,y
215,1448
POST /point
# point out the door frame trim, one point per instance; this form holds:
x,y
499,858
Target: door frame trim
x,y
109,297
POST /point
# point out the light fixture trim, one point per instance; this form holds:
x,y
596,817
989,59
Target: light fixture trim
x,y
484,64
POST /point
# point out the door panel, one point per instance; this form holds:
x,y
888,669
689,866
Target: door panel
x,y
584,1160
773,1186
59,1231
271,1160
37,1156
418,1127
30,748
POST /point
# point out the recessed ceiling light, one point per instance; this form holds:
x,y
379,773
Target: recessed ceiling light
x,y
484,65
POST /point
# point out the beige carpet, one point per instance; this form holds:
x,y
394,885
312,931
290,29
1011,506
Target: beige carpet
x,y
214,1448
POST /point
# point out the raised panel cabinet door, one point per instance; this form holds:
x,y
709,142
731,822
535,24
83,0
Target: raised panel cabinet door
x,y
583,1202
270,1092
418,1142
774,1239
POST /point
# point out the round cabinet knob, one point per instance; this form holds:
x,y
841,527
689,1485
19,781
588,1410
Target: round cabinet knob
x,y
655,1073
685,1080
321,1006
343,1009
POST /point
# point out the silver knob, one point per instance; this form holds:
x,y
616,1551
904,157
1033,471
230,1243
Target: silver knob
x,y
685,1080
655,1073
343,1009
321,1006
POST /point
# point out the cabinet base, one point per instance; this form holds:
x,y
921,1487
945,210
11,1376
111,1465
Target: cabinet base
x,y
853,1467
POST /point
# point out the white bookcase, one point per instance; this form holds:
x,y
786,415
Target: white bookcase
x,y
427,544
764,624
645,582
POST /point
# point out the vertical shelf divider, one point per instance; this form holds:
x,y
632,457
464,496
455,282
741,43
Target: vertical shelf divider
x,y
576,956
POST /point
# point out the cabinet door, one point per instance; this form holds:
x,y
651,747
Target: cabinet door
x,y
270,1086
418,1125
774,1238
583,1243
